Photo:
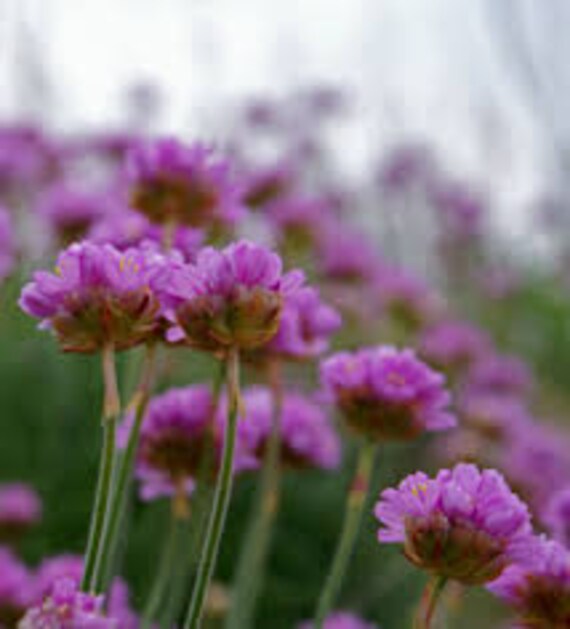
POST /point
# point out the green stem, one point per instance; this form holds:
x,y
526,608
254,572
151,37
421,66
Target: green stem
x,y
221,500
125,467
355,503
163,580
111,409
253,555
428,603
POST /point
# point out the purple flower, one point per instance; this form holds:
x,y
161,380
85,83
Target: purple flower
x,y
538,587
232,297
498,374
464,524
298,217
20,509
15,588
69,568
453,345
556,516
70,212
341,620
96,297
306,326
7,246
387,393
308,439
173,441
67,608
405,166
186,185
460,210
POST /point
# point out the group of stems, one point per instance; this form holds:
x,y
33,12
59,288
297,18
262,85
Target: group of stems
x,y
115,470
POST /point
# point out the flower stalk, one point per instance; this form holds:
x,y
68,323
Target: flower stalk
x,y
355,504
221,500
428,602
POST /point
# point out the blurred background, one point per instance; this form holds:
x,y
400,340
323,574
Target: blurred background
x,y
478,89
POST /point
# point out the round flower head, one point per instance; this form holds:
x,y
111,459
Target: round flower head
x,y
20,509
538,587
297,218
69,568
556,516
308,439
453,346
7,247
460,210
387,394
176,184
67,608
504,375
173,439
341,620
97,296
405,166
306,326
464,524
70,212
15,588
233,297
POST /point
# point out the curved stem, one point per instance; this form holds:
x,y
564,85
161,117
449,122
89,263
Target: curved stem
x,y
356,500
111,409
221,500
428,603
124,473
253,555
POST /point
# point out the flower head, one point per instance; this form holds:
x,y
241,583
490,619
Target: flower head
x,y
497,374
264,186
341,620
97,296
556,516
15,588
186,185
306,326
387,393
232,297
538,587
464,524
67,608
453,346
308,439
20,509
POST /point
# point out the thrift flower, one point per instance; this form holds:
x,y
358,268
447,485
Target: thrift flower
x,y
7,245
15,588
20,509
97,296
464,524
341,620
556,516
232,297
387,393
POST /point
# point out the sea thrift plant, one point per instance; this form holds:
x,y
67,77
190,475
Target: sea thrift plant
x,y
20,509
97,296
16,588
172,183
464,524
229,298
538,587
387,394
500,375
556,516
67,608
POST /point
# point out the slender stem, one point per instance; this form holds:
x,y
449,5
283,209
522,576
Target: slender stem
x,y
253,555
428,602
221,500
355,503
163,580
111,409
125,466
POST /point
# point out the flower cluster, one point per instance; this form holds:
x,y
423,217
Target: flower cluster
x,y
20,509
386,393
